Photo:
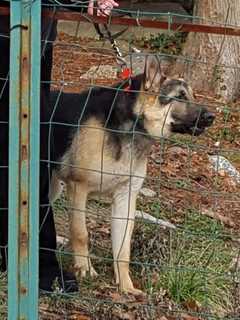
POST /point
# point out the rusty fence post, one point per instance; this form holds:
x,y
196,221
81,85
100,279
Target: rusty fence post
x,y
24,133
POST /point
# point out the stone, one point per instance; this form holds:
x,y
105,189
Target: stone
x,y
101,72
147,192
222,166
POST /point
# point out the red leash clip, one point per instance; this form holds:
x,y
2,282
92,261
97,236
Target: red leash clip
x,y
126,74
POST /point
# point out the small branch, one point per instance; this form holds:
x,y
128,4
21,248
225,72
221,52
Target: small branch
x,y
145,216
140,215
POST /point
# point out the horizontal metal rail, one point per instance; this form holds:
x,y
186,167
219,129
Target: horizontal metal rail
x,y
146,23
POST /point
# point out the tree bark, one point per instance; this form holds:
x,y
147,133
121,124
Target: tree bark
x,y
218,70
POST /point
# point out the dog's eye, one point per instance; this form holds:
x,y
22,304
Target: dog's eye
x,y
181,95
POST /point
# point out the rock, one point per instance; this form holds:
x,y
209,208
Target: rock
x,y
147,192
221,164
102,72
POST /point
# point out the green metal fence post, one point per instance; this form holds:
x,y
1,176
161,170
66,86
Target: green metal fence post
x,y
24,132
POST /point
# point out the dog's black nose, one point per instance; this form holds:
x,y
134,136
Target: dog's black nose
x,y
208,117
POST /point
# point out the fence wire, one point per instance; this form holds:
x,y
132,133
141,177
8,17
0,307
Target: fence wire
x,y
185,246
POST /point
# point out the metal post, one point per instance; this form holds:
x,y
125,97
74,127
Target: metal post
x,y
24,132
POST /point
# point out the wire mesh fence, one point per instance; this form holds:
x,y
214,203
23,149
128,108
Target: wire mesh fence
x,y
104,146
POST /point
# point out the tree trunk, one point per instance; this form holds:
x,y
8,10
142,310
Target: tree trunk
x,y
218,70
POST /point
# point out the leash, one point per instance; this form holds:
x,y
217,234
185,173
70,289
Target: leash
x,y
126,72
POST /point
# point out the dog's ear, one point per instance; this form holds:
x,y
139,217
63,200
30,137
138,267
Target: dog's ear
x,y
153,75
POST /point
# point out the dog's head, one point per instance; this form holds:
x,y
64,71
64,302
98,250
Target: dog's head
x,y
167,105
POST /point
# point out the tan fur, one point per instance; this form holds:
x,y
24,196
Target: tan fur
x,y
157,118
91,160
89,166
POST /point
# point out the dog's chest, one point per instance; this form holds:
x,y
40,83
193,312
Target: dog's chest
x,y
103,173
127,169
106,173
92,159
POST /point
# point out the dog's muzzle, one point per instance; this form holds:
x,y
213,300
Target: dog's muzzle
x,y
205,120
194,125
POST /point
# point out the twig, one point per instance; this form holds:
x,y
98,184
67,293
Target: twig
x,y
145,216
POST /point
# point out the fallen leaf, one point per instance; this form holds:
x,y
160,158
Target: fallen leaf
x,y
115,296
218,216
192,305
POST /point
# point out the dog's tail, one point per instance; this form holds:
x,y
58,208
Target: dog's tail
x,y
56,188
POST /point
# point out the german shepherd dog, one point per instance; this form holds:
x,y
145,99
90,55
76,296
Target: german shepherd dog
x,y
100,142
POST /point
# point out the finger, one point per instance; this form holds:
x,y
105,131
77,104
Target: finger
x,y
107,3
90,7
113,3
101,13
106,7
104,10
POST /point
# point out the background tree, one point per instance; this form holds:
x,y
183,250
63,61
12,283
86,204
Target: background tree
x,y
219,54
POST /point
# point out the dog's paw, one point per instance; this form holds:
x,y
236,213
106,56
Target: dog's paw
x,y
126,286
133,291
85,268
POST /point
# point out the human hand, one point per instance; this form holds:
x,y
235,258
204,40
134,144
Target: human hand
x,y
104,7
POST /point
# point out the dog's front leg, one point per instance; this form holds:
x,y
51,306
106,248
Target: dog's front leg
x,y
77,195
123,214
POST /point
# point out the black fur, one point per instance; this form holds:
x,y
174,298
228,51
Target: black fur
x,y
111,106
